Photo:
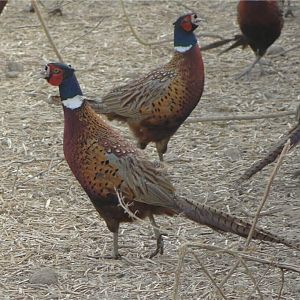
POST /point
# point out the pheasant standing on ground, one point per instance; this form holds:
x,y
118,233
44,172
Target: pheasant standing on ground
x,y
155,105
293,135
260,22
105,163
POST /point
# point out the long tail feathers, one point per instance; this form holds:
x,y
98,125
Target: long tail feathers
x,y
239,40
293,135
218,220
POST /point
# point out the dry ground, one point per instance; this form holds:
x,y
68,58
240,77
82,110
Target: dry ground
x,y
48,221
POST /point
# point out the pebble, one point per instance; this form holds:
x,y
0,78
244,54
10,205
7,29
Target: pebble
x,y
44,276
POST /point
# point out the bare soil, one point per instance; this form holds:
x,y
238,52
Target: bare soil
x,y
53,244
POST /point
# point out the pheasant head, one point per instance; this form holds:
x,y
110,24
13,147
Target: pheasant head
x,y
62,75
184,37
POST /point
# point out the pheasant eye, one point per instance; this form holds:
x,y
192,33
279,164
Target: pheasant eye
x,y
56,71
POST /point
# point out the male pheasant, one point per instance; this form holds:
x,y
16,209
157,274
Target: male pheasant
x,y
155,105
260,22
105,164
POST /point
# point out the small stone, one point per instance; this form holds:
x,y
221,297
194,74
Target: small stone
x,y
233,154
12,74
275,50
14,66
44,276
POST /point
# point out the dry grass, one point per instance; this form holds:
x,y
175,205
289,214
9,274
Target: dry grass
x,y
48,221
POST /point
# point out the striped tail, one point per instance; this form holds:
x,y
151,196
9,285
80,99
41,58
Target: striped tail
x,y
293,135
219,220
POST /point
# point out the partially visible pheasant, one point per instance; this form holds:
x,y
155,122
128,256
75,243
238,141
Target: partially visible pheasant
x,y
2,5
155,105
105,164
293,135
260,22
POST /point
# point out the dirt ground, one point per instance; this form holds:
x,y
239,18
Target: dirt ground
x,y
48,223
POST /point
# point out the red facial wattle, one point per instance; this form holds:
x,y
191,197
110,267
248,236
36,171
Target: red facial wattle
x,y
55,79
55,75
187,24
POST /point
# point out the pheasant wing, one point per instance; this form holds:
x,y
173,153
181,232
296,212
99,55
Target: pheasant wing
x,y
134,100
148,183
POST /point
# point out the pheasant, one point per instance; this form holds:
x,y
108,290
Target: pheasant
x,y
293,135
155,105
260,22
106,166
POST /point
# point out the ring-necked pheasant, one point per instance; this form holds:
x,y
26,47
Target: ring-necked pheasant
x,y
260,22
155,105
104,162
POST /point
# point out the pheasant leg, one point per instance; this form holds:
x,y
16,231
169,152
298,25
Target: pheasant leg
x,y
159,239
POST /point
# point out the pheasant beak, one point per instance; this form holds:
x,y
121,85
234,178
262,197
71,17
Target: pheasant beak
x,y
196,20
45,72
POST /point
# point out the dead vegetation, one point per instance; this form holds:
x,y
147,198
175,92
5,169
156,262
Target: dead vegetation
x,y
50,232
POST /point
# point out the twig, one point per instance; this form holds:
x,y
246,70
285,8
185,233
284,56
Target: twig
x,y
255,284
235,253
46,30
263,201
145,43
240,117
182,252
267,190
15,180
125,207
84,35
141,41
286,51
282,284
207,273
41,173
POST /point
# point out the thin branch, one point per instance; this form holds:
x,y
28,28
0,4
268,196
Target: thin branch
x,y
182,252
51,166
255,284
283,266
263,201
145,43
282,284
239,117
46,30
134,33
84,34
207,273
267,190
286,51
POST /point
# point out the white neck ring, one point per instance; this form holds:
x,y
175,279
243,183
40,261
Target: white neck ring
x,y
73,103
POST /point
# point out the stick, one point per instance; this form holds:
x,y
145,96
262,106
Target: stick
x,y
264,199
44,26
239,117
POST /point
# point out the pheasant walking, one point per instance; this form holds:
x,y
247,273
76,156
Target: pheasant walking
x,y
104,162
261,23
155,105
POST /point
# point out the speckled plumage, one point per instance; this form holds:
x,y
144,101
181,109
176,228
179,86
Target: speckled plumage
x,y
155,105
104,162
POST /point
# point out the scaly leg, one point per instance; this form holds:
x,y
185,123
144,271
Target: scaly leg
x,y
248,70
159,239
162,147
115,252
